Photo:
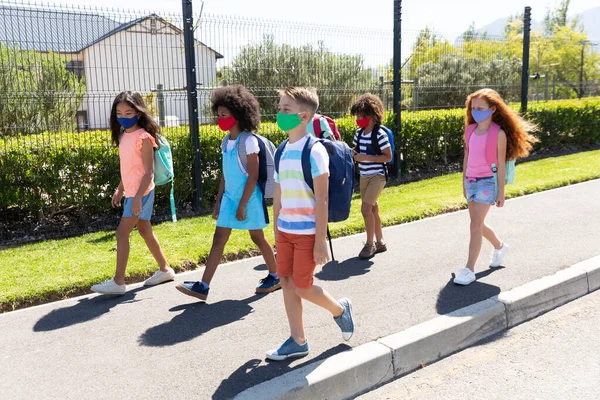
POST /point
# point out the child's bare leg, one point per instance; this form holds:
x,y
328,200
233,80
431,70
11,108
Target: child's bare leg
x,y
259,239
123,231
220,239
477,211
320,297
378,226
293,309
491,236
367,213
145,231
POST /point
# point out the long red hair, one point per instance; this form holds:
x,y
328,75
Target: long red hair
x,y
518,139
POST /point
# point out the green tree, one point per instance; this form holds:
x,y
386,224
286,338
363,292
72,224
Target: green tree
x,y
37,93
266,66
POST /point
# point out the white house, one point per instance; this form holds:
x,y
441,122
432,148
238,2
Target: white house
x,y
112,56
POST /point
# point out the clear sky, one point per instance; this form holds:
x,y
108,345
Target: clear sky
x,y
445,16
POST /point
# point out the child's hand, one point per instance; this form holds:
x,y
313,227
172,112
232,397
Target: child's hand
x,y
359,157
116,199
500,200
215,213
320,253
136,206
464,192
240,215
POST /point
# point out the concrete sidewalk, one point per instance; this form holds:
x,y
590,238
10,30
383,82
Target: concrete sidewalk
x,y
157,343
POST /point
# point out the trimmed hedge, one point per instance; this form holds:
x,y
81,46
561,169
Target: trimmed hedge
x,y
46,173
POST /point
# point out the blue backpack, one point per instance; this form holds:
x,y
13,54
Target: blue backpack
x,y
341,177
375,145
163,170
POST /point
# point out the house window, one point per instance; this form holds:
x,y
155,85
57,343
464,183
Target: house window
x,y
76,67
81,118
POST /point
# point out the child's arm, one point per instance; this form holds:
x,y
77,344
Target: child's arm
x,y
118,195
383,158
148,160
501,167
276,208
249,188
219,197
465,160
321,187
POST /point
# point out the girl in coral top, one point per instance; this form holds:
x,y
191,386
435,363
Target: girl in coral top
x,y
134,132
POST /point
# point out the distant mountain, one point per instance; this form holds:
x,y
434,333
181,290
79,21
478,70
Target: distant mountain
x,y
589,18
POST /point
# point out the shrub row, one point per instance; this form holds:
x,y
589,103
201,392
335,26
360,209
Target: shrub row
x,y
44,174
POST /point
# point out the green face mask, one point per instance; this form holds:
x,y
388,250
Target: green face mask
x,y
287,122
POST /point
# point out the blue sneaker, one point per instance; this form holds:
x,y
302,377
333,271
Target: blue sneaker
x,y
268,285
195,289
345,321
288,349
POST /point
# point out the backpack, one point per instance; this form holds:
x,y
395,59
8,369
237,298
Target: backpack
x,y
163,170
319,132
491,153
341,177
266,164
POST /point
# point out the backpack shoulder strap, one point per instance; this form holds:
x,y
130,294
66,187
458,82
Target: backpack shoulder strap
x,y
306,170
224,143
243,148
375,139
491,145
468,132
278,153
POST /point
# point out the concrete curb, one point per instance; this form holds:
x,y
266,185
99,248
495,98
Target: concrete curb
x,y
375,363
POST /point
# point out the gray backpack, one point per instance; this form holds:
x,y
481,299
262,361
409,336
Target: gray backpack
x,y
266,161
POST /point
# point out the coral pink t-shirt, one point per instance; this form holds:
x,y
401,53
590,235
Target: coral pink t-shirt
x,y
131,162
477,165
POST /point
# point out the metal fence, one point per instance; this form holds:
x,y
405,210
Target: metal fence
x,y
62,66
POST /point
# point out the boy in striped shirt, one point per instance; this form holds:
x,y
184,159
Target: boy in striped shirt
x,y
369,113
300,216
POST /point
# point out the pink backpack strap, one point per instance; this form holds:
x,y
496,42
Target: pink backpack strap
x,y
491,144
468,132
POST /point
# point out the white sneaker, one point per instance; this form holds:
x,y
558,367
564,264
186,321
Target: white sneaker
x,y
109,287
498,255
464,277
160,277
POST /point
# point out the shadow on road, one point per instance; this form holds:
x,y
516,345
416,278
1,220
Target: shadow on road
x,y
253,373
85,310
453,297
196,319
337,271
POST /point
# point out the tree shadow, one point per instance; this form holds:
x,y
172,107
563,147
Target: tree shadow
x,y
196,319
253,373
107,237
336,271
453,297
86,309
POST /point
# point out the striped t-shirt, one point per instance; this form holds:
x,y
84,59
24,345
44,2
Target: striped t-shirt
x,y
368,168
297,214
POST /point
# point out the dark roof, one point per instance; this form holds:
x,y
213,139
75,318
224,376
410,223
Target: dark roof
x,y
61,31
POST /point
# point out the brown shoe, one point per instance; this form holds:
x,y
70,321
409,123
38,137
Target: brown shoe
x,y
380,247
367,252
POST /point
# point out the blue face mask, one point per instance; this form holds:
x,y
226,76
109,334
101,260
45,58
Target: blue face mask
x,y
481,115
127,123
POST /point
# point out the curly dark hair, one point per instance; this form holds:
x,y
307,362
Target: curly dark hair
x,y
135,101
242,105
370,106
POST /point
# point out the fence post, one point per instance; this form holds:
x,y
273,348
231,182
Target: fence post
x,y
525,69
160,104
416,94
398,83
192,97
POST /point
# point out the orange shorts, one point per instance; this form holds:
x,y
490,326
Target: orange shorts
x,y
295,258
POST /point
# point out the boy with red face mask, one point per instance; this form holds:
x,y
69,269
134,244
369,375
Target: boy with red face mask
x,y
239,202
369,113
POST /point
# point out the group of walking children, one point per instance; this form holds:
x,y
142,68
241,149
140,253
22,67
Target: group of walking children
x,y
297,177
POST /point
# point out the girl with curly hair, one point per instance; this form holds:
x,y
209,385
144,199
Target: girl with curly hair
x,y
239,202
489,118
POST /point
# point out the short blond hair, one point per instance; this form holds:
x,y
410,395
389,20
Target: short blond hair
x,y
305,97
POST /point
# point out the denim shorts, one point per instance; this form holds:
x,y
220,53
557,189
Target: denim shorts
x,y
147,205
481,190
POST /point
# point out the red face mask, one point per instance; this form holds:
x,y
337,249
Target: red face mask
x,y
363,122
226,123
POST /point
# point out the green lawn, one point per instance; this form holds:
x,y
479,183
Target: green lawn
x,y
61,268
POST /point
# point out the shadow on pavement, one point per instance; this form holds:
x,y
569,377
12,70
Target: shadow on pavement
x,y
85,310
453,297
337,271
253,373
196,319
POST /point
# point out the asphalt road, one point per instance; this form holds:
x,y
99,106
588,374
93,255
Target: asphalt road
x,y
159,343
555,356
